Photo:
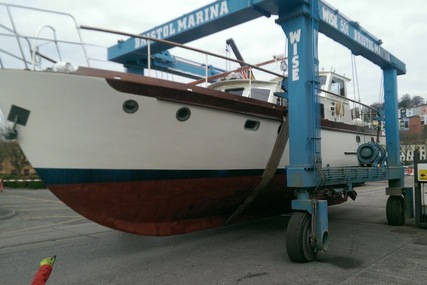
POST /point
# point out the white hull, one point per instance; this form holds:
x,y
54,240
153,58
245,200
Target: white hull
x,y
147,172
78,122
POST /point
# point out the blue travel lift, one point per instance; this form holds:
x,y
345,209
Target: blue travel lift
x,y
301,20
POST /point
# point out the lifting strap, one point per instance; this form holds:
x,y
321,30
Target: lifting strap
x,y
269,171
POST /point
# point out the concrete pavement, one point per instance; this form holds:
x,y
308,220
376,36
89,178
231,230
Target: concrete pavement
x,y
363,249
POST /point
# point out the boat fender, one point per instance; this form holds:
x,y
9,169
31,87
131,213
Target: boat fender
x,y
339,108
358,122
63,66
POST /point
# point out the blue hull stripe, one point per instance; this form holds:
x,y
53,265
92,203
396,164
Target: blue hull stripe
x,y
54,176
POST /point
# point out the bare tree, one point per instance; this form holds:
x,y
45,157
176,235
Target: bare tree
x,y
407,140
410,102
11,151
418,101
405,102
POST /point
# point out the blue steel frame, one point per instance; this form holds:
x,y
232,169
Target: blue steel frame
x,y
301,26
301,21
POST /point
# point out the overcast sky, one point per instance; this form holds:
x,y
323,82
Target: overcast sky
x,y
401,25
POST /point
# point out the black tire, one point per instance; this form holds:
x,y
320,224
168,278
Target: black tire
x,y
395,210
298,243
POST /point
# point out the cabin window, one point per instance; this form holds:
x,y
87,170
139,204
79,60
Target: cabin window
x,y
130,106
260,94
337,86
322,81
252,125
235,91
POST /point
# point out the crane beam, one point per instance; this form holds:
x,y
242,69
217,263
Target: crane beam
x,y
301,20
204,21
224,14
350,34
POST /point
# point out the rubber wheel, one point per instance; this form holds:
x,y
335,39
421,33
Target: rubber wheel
x,y
298,243
395,210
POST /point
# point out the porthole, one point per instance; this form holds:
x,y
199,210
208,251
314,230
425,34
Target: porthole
x,y
130,106
252,125
183,114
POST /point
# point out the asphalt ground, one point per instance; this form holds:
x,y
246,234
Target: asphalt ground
x,y
363,249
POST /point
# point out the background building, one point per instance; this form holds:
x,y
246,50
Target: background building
x,y
413,132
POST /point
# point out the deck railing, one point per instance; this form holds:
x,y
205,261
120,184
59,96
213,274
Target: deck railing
x,y
40,45
28,52
22,46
